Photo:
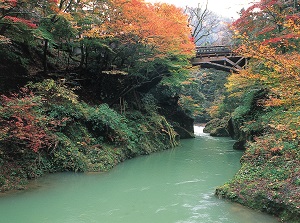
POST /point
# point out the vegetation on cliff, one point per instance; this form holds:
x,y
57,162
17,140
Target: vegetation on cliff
x,y
87,84
268,118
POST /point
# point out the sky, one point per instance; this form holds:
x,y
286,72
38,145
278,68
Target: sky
x,y
226,8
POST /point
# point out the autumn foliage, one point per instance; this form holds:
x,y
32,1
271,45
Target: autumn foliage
x,y
270,39
122,35
10,10
270,21
269,34
22,124
161,26
87,65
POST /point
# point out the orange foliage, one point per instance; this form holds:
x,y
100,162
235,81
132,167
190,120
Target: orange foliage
x,y
162,26
275,66
282,76
275,61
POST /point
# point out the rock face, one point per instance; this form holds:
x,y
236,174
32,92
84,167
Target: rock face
x,y
235,132
217,127
247,113
182,123
232,126
228,128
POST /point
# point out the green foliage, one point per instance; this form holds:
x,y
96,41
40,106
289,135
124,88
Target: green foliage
x,y
150,103
153,132
14,58
60,102
83,137
67,155
250,103
215,101
51,129
183,85
12,176
113,125
268,178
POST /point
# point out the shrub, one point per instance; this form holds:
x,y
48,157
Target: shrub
x,y
23,123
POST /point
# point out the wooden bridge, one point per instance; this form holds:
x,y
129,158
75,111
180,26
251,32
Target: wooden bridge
x,y
218,57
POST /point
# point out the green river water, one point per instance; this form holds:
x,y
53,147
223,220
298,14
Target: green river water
x,y
174,186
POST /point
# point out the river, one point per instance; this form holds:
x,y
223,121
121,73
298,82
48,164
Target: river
x,y
174,186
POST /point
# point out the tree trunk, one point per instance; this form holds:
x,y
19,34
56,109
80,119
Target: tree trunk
x,y
45,57
81,56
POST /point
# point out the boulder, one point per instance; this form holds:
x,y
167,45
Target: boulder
x,y
217,127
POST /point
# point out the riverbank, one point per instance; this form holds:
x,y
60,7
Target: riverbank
x,y
268,179
56,132
270,186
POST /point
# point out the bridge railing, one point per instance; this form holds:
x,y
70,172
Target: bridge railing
x,y
208,51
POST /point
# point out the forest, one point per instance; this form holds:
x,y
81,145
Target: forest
x,y
85,85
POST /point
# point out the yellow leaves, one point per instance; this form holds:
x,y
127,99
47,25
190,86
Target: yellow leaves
x,y
293,24
294,134
213,110
95,32
269,68
186,82
65,15
280,127
238,83
273,102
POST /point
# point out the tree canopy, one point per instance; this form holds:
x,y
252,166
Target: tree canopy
x,y
269,33
161,26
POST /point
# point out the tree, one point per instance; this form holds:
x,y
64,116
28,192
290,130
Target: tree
x,y
12,13
162,26
269,32
270,21
109,36
270,37
204,23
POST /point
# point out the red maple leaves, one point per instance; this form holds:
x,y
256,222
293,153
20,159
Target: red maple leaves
x,y
26,22
22,124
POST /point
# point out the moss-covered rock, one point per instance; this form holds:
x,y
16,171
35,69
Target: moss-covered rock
x,y
243,125
217,127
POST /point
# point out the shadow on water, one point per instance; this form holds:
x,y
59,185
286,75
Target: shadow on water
x,y
174,186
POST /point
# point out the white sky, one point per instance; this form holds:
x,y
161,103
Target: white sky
x,y
226,8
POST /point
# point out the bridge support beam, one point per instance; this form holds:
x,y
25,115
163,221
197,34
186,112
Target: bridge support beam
x,y
233,64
